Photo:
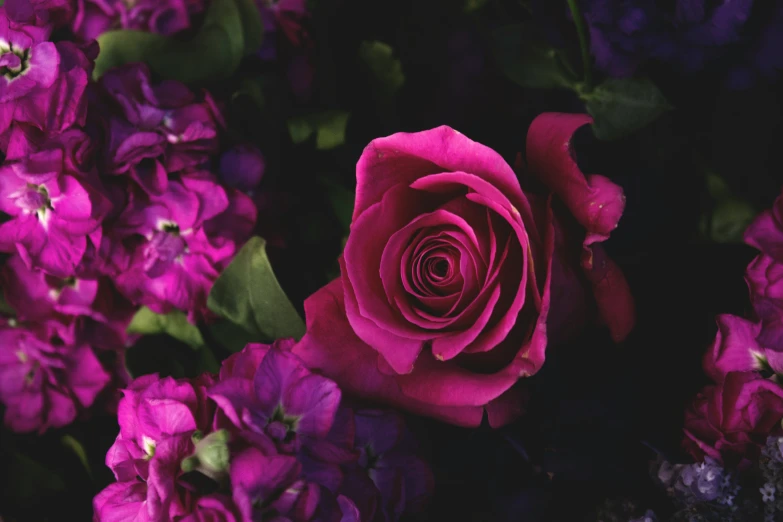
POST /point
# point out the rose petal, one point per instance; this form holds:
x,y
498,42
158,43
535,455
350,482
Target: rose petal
x,y
595,202
405,157
331,347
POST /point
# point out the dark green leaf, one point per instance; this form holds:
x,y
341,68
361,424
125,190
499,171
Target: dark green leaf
x,y
253,90
385,69
77,448
342,201
621,106
729,215
252,25
248,294
231,336
474,5
29,479
126,46
329,128
175,324
529,62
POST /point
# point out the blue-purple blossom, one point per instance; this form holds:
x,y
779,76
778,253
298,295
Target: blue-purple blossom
x,y
689,34
698,482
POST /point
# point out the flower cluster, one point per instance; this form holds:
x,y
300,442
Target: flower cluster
x,y
733,427
91,18
108,204
771,465
688,34
265,440
699,482
731,420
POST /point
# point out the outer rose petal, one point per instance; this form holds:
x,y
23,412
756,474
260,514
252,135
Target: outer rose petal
x,y
331,347
405,157
594,201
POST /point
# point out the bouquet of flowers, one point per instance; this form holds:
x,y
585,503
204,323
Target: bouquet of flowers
x,y
288,260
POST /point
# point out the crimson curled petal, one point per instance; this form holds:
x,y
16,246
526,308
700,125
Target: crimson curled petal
x,y
595,202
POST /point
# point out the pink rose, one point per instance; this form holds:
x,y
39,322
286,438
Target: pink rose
x,y
454,279
731,421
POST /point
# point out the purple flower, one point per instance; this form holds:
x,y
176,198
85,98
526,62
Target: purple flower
x,y
272,486
157,130
39,12
282,399
388,479
54,208
180,241
242,167
167,17
691,34
102,315
696,483
47,375
165,456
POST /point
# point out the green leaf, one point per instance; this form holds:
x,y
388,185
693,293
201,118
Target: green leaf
x,y
329,128
342,201
248,294
729,216
231,29
231,336
76,446
529,62
252,25
384,68
621,106
126,46
175,324
471,6
253,90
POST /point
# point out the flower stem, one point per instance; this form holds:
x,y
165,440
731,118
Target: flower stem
x,y
581,31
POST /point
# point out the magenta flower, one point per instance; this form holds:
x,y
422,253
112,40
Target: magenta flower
x,y
765,274
730,421
47,375
737,349
281,398
29,67
54,209
39,12
64,104
154,410
284,449
165,444
157,129
94,17
179,242
102,315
